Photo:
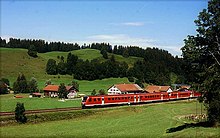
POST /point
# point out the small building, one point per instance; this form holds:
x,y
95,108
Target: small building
x,y
155,88
36,94
52,91
124,89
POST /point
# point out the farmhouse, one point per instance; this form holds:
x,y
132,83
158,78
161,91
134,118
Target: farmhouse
x,y
124,89
154,88
52,91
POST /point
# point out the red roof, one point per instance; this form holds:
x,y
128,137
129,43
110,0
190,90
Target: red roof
x,y
154,88
128,87
54,88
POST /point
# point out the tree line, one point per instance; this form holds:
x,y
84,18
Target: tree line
x,y
87,70
156,66
40,45
156,72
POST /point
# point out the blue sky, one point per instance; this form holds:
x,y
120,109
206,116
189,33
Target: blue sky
x,y
145,23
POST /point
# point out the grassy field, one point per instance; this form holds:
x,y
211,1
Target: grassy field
x,y
151,120
15,61
8,102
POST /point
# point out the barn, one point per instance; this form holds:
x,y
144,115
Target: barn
x,y
52,91
155,88
124,89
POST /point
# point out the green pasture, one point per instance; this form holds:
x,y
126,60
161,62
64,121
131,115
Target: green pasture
x,y
8,102
150,120
15,60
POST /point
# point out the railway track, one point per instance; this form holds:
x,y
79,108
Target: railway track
x,y
42,111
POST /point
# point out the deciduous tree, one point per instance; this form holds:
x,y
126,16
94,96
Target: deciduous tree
x,y
202,56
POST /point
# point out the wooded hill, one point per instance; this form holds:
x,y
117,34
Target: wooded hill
x,y
151,65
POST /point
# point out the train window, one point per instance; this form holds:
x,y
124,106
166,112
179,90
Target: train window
x,y
94,99
118,98
125,97
122,98
90,99
109,99
112,98
98,99
84,98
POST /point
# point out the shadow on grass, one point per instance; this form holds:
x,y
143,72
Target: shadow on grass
x,y
189,125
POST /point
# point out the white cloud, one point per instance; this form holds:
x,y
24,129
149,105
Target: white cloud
x,y
133,23
129,24
121,39
126,40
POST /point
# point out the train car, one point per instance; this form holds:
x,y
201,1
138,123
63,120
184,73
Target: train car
x,y
102,100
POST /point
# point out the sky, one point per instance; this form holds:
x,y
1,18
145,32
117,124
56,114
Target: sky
x,y
145,23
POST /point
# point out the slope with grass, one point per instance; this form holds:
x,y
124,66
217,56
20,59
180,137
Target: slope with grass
x,y
134,121
15,61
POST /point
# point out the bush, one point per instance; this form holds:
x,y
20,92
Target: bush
x,y
19,113
101,92
93,92
131,79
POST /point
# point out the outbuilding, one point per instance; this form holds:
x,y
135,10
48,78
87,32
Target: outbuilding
x,y
155,88
124,89
52,91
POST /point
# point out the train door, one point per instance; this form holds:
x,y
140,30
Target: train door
x,y
161,96
103,101
138,98
191,95
135,99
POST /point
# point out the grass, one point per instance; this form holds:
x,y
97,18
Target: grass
x,y
151,120
8,102
14,61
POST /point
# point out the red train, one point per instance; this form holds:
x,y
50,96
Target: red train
x,y
102,100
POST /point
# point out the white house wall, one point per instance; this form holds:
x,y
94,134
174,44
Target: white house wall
x,y
169,90
113,90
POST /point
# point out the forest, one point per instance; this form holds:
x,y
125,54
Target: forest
x,y
156,65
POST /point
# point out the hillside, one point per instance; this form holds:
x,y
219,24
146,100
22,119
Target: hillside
x,y
15,61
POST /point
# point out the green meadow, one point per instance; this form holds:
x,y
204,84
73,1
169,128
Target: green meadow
x,y
8,102
15,60
150,120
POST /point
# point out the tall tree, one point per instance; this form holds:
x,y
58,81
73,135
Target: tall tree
x,y
20,85
51,67
202,54
75,84
32,85
62,91
71,63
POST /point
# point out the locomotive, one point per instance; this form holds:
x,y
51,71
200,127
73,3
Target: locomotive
x,y
103,100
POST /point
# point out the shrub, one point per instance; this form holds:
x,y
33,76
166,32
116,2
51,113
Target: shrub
x,y
19,113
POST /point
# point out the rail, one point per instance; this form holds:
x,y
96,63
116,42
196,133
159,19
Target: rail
x,y
42,111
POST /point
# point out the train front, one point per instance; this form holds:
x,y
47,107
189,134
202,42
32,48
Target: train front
x,y
83,103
